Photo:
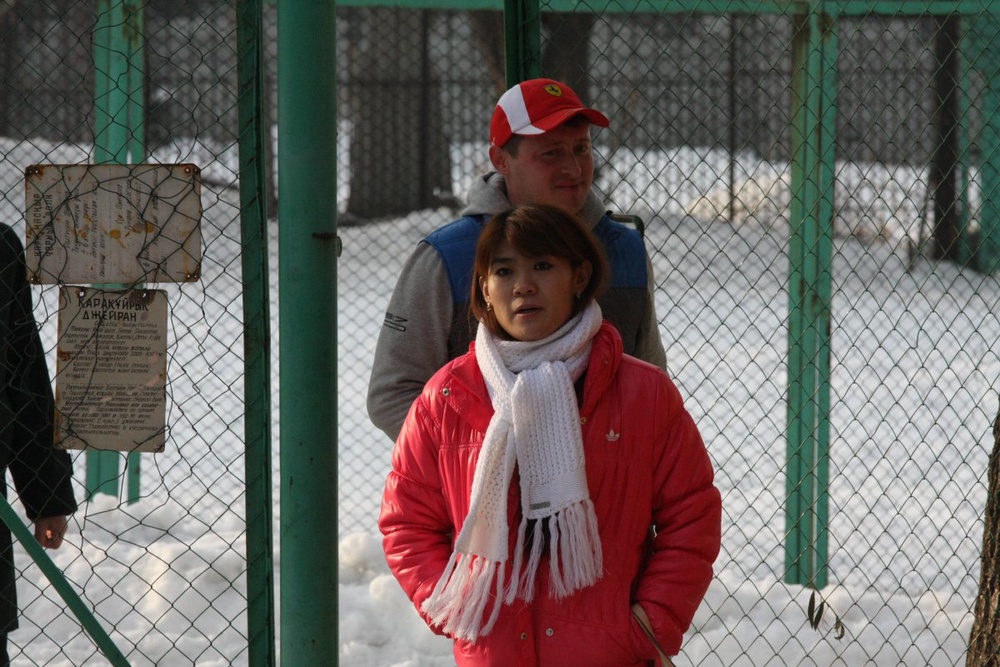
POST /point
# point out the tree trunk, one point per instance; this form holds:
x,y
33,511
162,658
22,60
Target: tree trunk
x,y
8,49
487,29
984,641
270,76
943,173
566,54
399,152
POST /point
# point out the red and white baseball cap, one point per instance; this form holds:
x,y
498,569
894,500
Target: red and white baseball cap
x,y
535,107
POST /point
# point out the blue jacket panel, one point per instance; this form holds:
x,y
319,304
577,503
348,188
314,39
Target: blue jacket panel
x,y
456,244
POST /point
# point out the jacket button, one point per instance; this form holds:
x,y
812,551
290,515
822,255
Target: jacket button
x,y
549,632
524,635
446,392
583,420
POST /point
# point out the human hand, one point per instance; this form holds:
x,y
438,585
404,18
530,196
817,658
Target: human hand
x,y
50,530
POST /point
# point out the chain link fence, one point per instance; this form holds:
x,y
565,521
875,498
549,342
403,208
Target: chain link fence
x,y
157,551
704,144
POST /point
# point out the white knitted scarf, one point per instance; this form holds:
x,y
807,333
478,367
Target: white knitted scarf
x,y
535,425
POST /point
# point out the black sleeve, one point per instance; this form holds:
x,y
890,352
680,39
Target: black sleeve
x,y
42,474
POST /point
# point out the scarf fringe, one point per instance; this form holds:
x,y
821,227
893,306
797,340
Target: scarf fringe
x,y
460,597
516,582
576,559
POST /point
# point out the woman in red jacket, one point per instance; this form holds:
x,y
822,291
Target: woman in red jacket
x,y
550,501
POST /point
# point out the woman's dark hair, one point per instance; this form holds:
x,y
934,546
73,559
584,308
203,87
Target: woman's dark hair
x,y
537,230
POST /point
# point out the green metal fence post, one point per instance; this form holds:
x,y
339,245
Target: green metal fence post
x,y
103,467
110,73
980,43
119,138
119,64
307,206
256,334
809,295
987,244
134,32
522,40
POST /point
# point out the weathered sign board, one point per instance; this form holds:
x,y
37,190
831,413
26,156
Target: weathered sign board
x,y
111,369
112,223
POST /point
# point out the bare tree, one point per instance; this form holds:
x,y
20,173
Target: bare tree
x,y
8,47
487,28
565,53
984,641
399,151
943,172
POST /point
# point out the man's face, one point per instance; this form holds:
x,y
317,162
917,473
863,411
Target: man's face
x,y
554,168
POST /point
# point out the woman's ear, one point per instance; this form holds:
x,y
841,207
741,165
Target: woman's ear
x,y
581,277
484,289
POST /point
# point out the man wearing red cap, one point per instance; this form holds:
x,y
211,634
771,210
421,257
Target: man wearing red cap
x,y
540,148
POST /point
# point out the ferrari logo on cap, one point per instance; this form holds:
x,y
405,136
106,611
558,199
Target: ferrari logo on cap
x,y
553,89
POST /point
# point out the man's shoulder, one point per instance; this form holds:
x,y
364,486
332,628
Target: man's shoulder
x,y
610,230
10,242
455,246
625,250
8,232
456,231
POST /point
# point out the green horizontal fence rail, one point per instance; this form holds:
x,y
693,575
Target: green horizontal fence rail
x,y
758,7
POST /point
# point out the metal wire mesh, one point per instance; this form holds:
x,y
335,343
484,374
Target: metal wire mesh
x,y
165,570
701,146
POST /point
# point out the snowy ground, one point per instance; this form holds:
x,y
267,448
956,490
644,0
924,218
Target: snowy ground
x,y
915,369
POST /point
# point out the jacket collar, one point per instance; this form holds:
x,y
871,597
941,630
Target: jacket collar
x,y
469,397
488,196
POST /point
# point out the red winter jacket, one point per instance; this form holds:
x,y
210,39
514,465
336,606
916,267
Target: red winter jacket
x,y
646,467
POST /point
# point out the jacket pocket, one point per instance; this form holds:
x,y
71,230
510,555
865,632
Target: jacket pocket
x,y
643,621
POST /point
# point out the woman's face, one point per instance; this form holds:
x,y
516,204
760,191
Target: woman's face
x,y
532,296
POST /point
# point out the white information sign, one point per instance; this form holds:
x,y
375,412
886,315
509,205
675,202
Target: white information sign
x,y
111,369
110,223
